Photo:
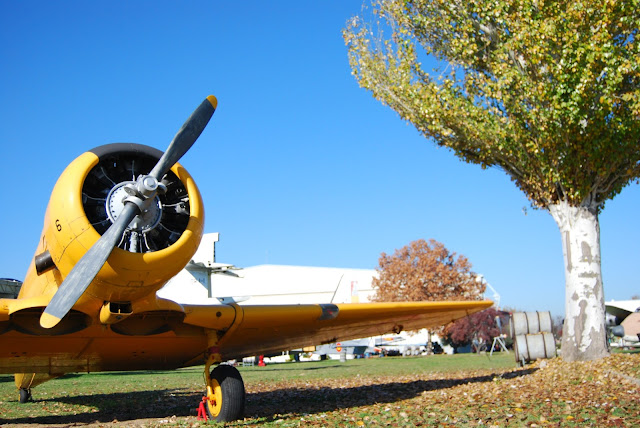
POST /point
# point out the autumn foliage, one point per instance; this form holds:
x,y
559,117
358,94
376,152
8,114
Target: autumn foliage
x,y
479,328
425,271
547,91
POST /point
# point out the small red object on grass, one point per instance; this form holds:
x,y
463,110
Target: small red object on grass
x,y
202,412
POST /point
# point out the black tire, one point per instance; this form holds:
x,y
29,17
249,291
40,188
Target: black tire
x,y
231,391
25,395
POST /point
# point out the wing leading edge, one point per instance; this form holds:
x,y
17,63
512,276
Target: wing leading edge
x,y
272,328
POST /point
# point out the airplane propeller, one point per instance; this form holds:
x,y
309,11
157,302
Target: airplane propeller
x,y
141,194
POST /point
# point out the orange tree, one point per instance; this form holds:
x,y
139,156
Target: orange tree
x,y
425,271
547,91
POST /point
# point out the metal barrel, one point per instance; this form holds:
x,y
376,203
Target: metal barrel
x,y
531,347
530,323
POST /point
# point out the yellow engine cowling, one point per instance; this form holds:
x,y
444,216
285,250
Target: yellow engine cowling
x,y
78,213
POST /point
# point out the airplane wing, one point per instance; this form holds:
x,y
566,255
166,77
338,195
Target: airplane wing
x,y
621,309
264,329
168,338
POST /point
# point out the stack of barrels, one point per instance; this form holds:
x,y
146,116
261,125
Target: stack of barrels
x,y
532,337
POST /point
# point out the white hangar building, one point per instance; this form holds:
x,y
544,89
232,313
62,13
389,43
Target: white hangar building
x,y
205,281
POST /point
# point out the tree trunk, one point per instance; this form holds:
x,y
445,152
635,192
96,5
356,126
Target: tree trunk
x,y
584,334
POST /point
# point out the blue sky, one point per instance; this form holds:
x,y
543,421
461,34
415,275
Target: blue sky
x,y
298,166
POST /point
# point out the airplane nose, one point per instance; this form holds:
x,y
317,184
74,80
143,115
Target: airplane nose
x,y
617,331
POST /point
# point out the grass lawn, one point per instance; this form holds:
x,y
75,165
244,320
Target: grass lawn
x,y
440,390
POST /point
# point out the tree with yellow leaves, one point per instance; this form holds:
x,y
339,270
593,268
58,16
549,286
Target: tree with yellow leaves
x,y
547,91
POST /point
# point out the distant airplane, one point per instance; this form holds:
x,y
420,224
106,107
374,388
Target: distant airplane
x,y
623,318
122,220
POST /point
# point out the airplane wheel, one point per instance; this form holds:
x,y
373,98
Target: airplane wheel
x,y
25,395
225,394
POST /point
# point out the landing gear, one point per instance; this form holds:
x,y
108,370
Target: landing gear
x,y
25,395
225,394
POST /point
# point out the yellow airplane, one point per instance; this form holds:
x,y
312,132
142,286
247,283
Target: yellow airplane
x,y
122,220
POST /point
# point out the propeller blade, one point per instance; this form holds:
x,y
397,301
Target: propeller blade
x,y
86,269
186,136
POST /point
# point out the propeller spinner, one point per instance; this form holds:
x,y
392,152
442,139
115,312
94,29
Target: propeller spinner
x,y
140,196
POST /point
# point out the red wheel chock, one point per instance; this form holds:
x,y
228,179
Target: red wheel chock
x,y
202,412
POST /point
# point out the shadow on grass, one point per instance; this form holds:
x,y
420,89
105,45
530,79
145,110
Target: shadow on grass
x,y
122,407
4,378
270,405
310,400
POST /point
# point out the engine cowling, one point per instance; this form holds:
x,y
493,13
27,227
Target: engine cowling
x,y
157,243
